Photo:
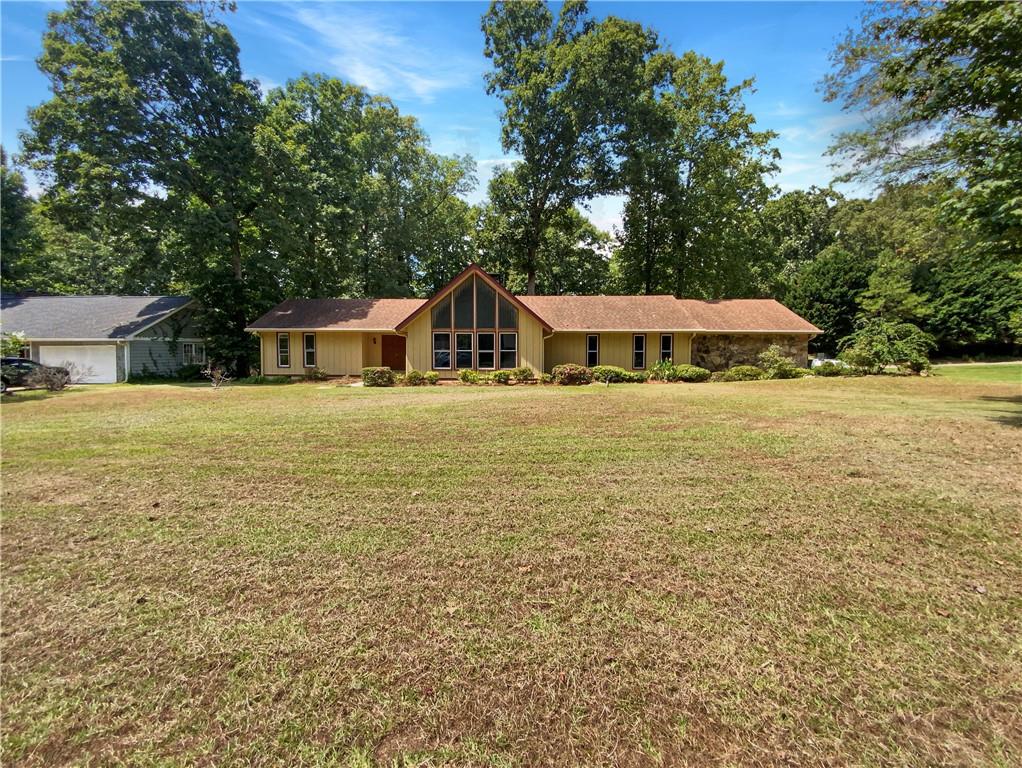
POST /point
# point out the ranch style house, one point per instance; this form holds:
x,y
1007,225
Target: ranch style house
x,y
474,322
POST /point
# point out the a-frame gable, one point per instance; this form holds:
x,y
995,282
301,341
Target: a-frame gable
x,y
473,269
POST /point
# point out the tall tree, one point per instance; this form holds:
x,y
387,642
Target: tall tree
x,y
797,226
355,202
694,171
942,85
150,130
560,80
573,255
20,241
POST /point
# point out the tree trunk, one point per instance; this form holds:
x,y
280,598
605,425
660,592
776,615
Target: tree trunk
x,y
530,269
241,363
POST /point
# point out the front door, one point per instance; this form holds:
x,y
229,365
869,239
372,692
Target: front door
x,y
393,352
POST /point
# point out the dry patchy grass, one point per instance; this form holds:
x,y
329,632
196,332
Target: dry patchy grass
x,y
810,572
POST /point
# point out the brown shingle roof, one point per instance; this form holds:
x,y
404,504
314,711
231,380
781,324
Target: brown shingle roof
x,y
560,313
665,313
610,313
746,315
337,314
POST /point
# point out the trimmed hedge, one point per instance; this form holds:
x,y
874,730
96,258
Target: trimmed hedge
x,y
570,374
432,378
414,378
743,373
468,376
832,369
523,374
609,374
501,377
378,377
691,373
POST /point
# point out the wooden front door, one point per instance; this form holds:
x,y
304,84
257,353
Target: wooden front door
x,y
393,352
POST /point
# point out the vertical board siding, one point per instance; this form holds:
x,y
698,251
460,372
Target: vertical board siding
x,y
419,345
615,348
338,353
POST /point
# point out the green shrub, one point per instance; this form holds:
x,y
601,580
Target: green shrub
x,y
432,378
570,374
414,378
777,365
743,373
691,373
501,377
378,377
523,373
315,374
829,369
546,378
878,343
662,371
608,374
468,376
635,377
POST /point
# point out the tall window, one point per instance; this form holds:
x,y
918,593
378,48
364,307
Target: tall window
x,y
309,350
463,350
463,305
442,313
666,346
442,350
486,305
192,353
592,350
509,350
484,355
283,350
508,315
638,351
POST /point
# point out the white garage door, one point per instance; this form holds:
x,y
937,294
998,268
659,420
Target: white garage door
x,y
99,360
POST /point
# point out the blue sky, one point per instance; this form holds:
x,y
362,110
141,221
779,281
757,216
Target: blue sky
x,y
428,58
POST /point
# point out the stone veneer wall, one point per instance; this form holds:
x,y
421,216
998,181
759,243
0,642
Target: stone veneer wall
x,y
718,352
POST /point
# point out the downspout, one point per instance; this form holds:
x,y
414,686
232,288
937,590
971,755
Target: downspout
x,y
549,335
127,360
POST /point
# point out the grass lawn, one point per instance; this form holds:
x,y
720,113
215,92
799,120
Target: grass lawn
x,y
808,572
1007,373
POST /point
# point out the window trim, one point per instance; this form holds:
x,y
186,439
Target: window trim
x,y
189,358
305,350
501,350
670,346
471,350
449,351
590,351
286,337
635,350
493,351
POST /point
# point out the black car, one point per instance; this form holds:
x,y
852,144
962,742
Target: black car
x,y
14,371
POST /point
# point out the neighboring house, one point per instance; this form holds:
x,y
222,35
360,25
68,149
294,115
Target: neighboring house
x,y
473,322
111,337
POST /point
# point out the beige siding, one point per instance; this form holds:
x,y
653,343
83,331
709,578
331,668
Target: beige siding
x,y
418,349
419,346
338,353
615,349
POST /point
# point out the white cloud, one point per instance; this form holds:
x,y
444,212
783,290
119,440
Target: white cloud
x,y
370,50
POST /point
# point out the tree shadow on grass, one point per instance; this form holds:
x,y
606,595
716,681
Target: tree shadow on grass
x,y
1010,416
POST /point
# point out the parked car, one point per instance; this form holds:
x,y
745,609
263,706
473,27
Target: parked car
x,y
14,371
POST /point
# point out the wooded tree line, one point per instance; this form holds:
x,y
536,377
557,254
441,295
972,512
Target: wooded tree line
x,y
165,170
